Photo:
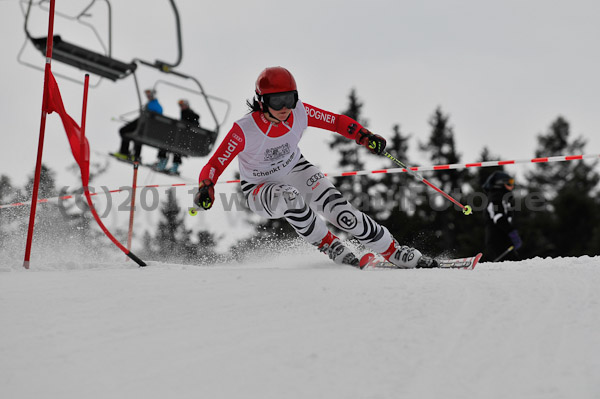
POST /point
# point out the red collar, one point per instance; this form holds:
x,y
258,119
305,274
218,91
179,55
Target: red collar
x,y
269,128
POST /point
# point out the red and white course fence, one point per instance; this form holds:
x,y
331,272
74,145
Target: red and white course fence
x,y
486,164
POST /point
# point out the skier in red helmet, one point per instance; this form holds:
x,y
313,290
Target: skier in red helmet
x,y
278,181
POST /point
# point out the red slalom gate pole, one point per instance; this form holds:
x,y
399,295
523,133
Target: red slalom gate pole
x,y
86,85
86,190
132,210
38,165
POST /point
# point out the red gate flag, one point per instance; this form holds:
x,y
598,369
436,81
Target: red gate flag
x,y
55,104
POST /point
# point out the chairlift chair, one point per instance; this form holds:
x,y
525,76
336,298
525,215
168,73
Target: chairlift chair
x,y
173,135
84,59
96,63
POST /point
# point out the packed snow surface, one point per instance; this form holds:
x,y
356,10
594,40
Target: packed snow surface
x,y
297,326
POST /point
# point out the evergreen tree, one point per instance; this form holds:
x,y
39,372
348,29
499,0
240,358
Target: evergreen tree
x,y
205,250
355,189
482,174
96,169
47,183
172,241
394,187
61,225
6,189
566,224
437,214
395,191
442,150
65,225
552,177
48,218
6,214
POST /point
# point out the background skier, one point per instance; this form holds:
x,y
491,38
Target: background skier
x,y
500,232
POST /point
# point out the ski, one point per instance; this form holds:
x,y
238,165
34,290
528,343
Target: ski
x,y
372,261
460,263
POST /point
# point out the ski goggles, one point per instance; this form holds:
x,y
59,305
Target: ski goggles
x,y
277,101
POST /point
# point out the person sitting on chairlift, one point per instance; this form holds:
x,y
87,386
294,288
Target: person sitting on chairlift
x,y
191,119
124,153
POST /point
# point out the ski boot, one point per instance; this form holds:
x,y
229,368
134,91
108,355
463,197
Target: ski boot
x,y
337,252
425,262
161,165
121,156
174,168
402,256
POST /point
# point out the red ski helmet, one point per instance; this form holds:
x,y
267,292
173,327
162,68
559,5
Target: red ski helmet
x,y
275,80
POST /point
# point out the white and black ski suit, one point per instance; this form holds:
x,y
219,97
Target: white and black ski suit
x,y
279,182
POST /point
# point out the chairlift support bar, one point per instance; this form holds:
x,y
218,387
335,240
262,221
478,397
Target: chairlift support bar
x,y
163,65
168,68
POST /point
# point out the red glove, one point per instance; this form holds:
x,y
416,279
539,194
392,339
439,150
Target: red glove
x,y
205,197
374,142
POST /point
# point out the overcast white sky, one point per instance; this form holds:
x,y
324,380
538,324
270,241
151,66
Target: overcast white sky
x,y
503,70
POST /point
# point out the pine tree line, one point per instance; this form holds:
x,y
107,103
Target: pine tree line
x,y
68,226
173,242
63,226
558,212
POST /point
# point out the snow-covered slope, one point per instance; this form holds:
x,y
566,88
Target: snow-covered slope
x,y
298,326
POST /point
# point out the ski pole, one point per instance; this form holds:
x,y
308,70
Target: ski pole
x,y
466,209
503,254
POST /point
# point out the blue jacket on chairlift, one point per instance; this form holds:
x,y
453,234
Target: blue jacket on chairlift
x,y
154,106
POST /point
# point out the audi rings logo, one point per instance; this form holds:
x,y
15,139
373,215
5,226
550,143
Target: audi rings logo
x,y
238,138
314,178
347,220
